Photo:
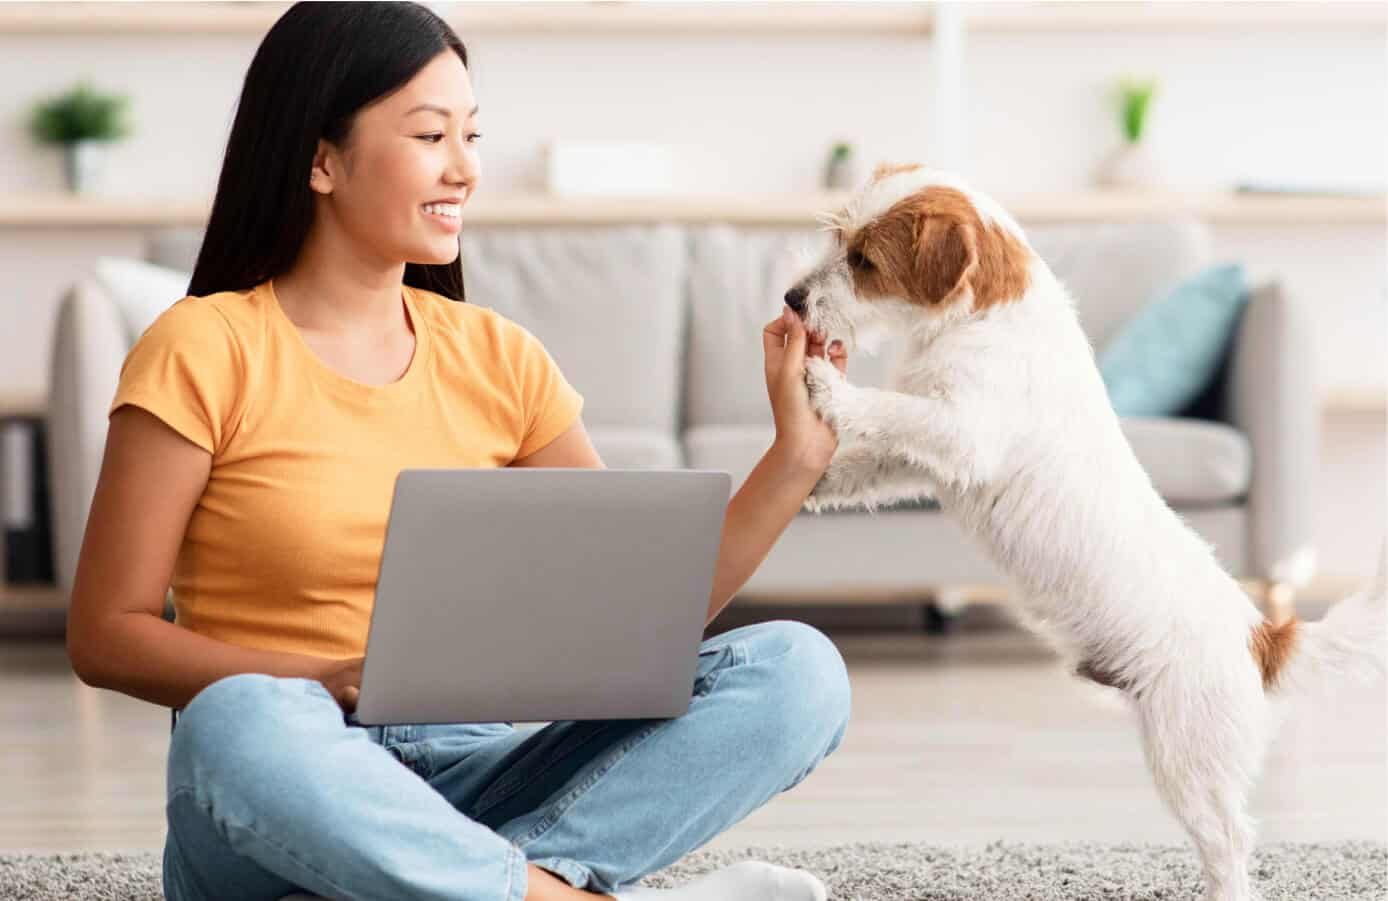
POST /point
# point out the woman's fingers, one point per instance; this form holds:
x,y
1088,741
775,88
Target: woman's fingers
x,y
784,334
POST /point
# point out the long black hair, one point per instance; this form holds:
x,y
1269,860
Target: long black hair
x,y
317,66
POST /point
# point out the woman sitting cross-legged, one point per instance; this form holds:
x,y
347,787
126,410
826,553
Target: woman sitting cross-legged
x,y
254,441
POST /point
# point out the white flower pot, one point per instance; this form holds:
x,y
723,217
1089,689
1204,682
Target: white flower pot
x,y
843,174
84,162
1131,166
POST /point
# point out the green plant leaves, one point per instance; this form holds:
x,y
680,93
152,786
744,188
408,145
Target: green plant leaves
x,y
1135,96
81,114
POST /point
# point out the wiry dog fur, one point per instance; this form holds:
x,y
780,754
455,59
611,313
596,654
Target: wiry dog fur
x,y
998,411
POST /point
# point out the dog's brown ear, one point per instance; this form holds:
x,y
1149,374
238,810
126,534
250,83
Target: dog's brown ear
x,y
946,253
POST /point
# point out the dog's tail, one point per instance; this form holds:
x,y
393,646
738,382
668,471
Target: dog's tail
x,y
1350,641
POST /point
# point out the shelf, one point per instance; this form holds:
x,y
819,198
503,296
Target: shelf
x,y
768,18
1213,207
892,19
1354,400
1348,399
138,18
32,611
1174,16
96,211
14,403
29,598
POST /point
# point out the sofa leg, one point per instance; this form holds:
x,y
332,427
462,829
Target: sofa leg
x,y
942,608
1278,601
934,619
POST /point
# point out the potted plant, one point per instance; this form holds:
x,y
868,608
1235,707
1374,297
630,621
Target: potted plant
x,y
841,172
1131,164
81,121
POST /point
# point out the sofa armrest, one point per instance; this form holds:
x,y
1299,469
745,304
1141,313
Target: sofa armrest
x,y
89,347
1272,399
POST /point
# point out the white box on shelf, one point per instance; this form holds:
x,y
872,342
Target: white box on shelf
x,y
609,168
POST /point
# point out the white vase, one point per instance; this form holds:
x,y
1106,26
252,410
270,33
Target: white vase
x,y
1131,166
843,173
83,164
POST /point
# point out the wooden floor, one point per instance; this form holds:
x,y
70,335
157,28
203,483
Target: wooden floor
x,y
966,739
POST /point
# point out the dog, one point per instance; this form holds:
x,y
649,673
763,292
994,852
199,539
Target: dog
x,y
997,410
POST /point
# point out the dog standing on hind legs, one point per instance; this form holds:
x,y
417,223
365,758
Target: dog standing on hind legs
x,y
998,411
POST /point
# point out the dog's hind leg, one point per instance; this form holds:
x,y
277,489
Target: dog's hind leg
x,y
1204,744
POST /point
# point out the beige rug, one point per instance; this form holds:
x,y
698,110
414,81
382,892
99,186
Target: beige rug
x,y
870,872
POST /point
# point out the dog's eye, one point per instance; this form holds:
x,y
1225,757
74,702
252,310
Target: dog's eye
x,y
858,261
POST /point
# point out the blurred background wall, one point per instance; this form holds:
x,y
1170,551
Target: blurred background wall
x,y
757,112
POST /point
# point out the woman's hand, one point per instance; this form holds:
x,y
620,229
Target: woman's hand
x,y
342,679
798,428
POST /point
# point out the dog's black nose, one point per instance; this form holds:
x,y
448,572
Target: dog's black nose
x,y
795,299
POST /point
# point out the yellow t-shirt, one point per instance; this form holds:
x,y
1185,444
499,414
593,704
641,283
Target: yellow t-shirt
x,y
283,548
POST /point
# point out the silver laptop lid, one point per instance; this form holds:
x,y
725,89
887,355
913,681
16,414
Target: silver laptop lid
x,y
532,595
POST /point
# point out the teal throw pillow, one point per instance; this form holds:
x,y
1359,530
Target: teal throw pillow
x,y
1162,360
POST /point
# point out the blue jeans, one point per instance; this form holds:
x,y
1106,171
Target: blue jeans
x,y
271,790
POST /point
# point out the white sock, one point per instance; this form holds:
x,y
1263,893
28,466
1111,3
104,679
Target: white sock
x,y
750,880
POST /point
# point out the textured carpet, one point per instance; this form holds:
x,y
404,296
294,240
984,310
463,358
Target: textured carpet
x,y
869,872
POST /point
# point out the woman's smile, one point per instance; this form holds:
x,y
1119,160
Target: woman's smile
x,y
445,215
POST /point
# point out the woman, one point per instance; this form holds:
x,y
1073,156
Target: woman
x,y
254,440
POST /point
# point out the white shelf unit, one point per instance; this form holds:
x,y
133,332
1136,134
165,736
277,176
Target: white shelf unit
x,y
765,19
1357,400
768,18
80,211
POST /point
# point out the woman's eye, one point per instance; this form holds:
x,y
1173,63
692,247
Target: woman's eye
x,y
439,136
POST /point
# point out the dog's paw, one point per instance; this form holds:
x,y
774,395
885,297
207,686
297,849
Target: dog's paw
x,y
820,373
827,388
840,482
824,502
819,499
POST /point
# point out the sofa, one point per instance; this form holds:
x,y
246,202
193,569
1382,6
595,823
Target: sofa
x,y
659,327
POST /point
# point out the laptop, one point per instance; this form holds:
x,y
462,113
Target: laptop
x,y
534,595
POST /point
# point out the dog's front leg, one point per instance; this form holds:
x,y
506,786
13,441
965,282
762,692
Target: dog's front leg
x,y
924,435
863,476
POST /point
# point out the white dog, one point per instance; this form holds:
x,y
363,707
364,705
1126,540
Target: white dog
x,y
998,411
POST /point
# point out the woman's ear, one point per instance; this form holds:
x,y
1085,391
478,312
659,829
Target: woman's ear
x,y
946,252
325,165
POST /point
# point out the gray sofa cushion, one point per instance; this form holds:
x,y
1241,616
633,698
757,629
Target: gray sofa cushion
x,y
736,282
632,448
734,449
1191,462
1272,401
89,344
1112,270
606,302
853,557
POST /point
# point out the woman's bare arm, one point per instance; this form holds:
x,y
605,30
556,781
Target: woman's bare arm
x,y
151,479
